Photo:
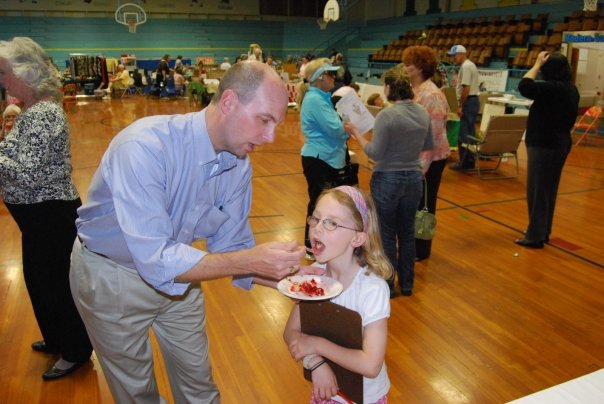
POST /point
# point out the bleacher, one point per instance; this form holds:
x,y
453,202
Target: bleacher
x,y
485,38
515,40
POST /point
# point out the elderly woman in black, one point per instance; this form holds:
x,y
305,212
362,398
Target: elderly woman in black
x,y
35,181
548,140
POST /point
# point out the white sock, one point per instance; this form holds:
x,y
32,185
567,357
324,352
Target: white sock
x,y
62,364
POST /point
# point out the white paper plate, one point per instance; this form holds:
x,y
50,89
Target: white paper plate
x,y
288,286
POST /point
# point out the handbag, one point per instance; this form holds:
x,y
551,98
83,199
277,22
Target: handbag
x,y
349,174
425,222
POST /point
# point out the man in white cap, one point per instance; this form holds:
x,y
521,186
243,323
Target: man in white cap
x,y
468,104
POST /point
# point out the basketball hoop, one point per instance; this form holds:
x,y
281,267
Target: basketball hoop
x,y
590,5
322,23
131,15
331,12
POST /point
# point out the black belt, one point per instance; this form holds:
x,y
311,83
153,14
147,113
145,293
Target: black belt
x,y
470,96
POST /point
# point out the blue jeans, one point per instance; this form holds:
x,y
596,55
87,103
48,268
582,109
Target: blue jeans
x,y
396,195
467,126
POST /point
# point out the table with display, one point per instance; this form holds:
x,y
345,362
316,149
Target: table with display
x,y
498,106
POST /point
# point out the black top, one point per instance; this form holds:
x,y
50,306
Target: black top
x,y
163,67
553,113
343,77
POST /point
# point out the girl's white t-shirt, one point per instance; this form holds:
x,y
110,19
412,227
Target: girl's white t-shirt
x,y
368,295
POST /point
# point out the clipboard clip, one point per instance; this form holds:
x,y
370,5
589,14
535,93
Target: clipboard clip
x,y
345,397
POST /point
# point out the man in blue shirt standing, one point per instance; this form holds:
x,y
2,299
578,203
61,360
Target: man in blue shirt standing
x,y
164,182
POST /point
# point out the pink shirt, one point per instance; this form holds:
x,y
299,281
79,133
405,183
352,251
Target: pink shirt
x,y
435,102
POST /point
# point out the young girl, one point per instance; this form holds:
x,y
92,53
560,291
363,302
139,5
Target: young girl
x,y
345,239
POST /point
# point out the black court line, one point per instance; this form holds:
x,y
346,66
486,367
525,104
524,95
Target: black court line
x,y
580,257
297,151
500,201
276,175
278,230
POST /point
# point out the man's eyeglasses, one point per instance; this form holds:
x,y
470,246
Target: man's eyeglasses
x,y
327,224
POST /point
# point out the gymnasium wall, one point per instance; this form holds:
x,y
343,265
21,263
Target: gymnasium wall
x,y
193,36
103,36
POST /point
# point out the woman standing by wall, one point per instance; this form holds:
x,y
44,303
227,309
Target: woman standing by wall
x,y
35,179
548,140
400,133
420,65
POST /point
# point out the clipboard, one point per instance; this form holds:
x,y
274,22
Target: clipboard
x,y
342,326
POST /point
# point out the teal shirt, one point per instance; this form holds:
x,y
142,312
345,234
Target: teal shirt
x,y
323,129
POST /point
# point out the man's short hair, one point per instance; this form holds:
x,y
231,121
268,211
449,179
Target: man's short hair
x,y
243,78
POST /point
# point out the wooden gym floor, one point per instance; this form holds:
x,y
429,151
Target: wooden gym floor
x,y
488,321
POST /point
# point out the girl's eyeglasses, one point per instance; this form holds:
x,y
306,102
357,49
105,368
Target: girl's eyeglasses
x,y
327,224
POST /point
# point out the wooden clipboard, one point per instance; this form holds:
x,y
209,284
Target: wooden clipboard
x,y
342,326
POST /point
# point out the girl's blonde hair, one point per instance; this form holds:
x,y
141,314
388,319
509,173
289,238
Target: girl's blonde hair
x,y
371,253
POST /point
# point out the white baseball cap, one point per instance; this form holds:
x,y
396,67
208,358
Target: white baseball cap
x,y
455,49
326,67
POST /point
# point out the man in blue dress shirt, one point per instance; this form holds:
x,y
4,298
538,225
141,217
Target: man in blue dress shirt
x,y
164,182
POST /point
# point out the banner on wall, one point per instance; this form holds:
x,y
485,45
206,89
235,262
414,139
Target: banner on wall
x,y
493,80
584,37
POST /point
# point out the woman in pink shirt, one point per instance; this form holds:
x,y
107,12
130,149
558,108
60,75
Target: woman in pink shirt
x,y
420,64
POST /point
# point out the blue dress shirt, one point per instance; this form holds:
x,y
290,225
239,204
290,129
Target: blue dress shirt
x,y
159,187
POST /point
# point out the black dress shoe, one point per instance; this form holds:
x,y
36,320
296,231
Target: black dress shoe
x,y
406,292
55,373
40,346
527,243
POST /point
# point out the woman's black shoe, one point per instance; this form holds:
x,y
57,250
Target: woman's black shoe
x,y
530,244
40,346
55,373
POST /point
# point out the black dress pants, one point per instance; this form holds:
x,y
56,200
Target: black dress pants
x,y
47,234
544,169
319,177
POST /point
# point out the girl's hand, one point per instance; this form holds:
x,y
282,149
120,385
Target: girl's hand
x,y
302,346
324,382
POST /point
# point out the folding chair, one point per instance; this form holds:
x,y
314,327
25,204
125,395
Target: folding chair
x,y
588,123
169,90
500,140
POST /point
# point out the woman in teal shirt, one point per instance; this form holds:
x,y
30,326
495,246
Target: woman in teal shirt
x,y
324,151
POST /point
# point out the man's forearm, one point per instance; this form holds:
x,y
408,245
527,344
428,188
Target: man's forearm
x,y
214,266
465,91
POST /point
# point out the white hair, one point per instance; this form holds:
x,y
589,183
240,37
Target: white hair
x,y
32,65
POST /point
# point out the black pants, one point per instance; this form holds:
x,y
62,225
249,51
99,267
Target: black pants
x,y
47,234
544,169
319,177
433,177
